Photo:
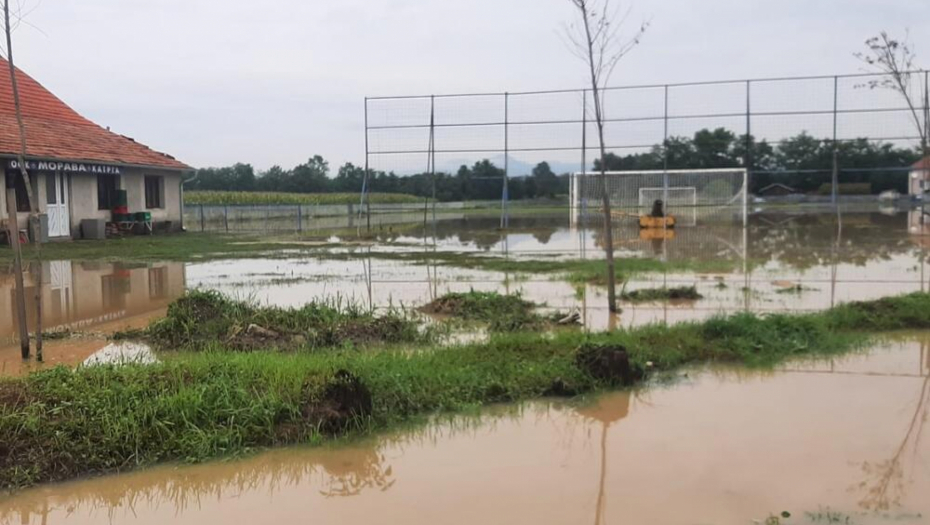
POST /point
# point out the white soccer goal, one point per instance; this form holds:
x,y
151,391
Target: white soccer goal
x,y
713,189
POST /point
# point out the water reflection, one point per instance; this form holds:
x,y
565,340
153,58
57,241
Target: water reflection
x,y
87,297
725,445
825,258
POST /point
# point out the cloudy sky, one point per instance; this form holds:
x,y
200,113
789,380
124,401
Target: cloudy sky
x,y
215,82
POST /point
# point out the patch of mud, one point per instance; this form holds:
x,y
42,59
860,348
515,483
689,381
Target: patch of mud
x,y
610,364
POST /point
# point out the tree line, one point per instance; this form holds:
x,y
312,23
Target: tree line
x,y
802,162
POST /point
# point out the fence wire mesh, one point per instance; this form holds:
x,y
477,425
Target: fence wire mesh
x,y
828,135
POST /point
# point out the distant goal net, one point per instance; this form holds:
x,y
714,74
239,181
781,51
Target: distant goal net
x,y
685,192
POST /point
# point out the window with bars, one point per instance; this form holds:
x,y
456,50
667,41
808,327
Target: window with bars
x,y
154,192
107,186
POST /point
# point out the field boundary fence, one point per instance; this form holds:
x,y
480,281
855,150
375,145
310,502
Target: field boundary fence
x,y
800,139
314,217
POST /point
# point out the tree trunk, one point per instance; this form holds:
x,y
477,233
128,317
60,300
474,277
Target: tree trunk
x,y
18,273
33,221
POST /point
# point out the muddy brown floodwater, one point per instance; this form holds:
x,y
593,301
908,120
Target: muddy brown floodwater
x,y
844,438
784,261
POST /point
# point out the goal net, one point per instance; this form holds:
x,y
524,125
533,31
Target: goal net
x,y
681,191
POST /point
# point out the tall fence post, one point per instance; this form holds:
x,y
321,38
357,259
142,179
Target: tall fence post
x,y
835,175
749,141
203,222
300,219
579,198
665,152
365,178
226,217
505,188
432,147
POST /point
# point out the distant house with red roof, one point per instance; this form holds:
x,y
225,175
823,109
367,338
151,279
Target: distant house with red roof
x,y
919,182
77,167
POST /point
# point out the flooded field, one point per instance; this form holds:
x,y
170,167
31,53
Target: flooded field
x,y
839,441
783,261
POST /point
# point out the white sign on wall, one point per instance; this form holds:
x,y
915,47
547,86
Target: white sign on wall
x,y
72,167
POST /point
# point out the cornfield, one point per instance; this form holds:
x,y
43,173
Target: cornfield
x,y
213,198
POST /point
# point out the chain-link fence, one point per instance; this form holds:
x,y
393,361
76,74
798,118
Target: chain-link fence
x,y
807,138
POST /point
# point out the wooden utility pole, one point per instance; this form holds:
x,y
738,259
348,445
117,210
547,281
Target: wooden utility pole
x,y
34,222
17,269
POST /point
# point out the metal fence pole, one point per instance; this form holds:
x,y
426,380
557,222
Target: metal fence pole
x,y
835,178
226,217
300,218
203,223
584,155
432,133
504,190
665,152
365,178
749,141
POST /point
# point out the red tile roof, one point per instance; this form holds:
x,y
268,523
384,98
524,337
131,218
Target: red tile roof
x,y
922,164
55,131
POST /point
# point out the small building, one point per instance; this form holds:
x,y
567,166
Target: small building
x,y
777,189
919,180
77,168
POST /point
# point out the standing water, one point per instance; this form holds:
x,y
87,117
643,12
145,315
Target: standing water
x,y
840,441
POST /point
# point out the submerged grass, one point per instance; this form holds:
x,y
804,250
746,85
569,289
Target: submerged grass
x,y
501,312
167,247
675,293
60,423
575,271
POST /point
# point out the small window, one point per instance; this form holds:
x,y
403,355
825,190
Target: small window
x,y
107,186
22,196
153,192
51,195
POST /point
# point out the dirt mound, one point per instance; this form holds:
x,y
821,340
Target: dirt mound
x,y
345,399
13,395
610,364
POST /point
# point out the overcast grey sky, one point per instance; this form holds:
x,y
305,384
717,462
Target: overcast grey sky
x,y
214,82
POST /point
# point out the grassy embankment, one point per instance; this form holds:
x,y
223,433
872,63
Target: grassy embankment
x,y
60,423
220,198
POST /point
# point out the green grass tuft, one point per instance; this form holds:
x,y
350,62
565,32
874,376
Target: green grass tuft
x,y
501,312
679,293
201,318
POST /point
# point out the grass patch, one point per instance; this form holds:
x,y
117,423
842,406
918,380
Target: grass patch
x,y
168,247
58,424
201,318
575,271
500,312
677,293
795,290
214,198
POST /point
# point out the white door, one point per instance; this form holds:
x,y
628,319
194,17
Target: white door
x,y
56,192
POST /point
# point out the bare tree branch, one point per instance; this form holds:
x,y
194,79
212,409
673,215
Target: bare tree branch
x,y
895,61
596,40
